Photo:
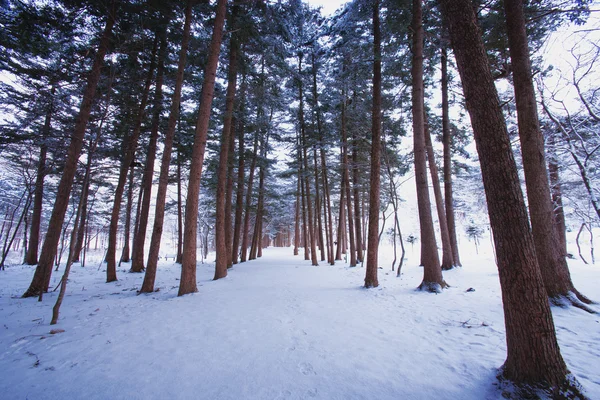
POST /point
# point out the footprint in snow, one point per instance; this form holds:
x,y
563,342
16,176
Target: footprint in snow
x,y
306,369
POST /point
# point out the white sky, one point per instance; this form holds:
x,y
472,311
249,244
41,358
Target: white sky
x,y
329,6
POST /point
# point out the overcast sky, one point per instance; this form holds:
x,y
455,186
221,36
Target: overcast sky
x,y
329,6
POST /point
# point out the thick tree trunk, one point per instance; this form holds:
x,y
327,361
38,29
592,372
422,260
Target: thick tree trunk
x,y
125,254
553,264
188,266
432,272
163,180
374,202
129,149
533,354
447,141
41,278
447,257
139,239
222,225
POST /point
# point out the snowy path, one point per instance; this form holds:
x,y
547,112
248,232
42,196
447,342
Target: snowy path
x,y
275,328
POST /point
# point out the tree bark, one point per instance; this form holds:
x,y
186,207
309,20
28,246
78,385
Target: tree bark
x,y
304,144
533,354
346,179
129,148
374,202
246,228
327,219
432,272
188,267
553,265
31,257
163,180
447,142
239,198
447,257
43,272
125,254
223,188
139,239
556,188
297,217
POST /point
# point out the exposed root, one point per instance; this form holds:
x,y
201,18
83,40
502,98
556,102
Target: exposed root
x,y
569,389
447,267
433,287
574,299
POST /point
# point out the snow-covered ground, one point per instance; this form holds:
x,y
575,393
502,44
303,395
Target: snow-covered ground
x,y
275,328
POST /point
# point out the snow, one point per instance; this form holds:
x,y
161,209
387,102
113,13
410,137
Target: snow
x,y
275,328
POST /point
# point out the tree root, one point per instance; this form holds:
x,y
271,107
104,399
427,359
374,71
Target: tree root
x,y
569,389
433,287
574,299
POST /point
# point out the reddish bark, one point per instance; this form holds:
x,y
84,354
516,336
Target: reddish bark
x,y
374,202
533,354
188,267
163,180
43,272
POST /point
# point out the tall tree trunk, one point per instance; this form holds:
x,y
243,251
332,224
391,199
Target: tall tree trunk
x,y
43,272
553,264
139,238
239,197
297,218
163,180
559,214
179,210
327,219
301,173
373,246
31,257
78,226
341,223
355,184
432,272
447,257
319,223
125,254
304,143
447,142
346,179
188,266
246,228
84,223
229,197
527,312
221,224
129,148
255,250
